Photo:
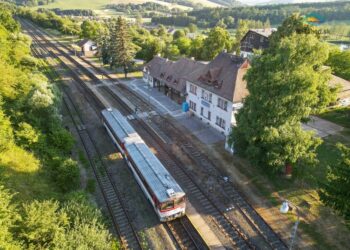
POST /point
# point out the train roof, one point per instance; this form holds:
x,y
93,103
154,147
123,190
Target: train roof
x,y
118,123
155,174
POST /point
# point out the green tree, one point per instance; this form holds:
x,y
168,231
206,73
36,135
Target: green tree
x,y
192,28
184,45
61,139
6,132
179,33
221,23
42,224
172,52
8,218
123,50
26,135
285,86
67,175
218,39
335,192
292,25
242,29
196,50
90,29
7,21
230,21
340,63
104,51
151,47
267,24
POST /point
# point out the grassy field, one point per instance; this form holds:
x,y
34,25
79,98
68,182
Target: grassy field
x,y
100,4
325,229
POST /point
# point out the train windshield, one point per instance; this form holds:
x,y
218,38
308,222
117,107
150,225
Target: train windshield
x,y
167,205
179,201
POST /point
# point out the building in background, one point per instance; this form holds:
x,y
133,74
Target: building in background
x,y
87,47
255,39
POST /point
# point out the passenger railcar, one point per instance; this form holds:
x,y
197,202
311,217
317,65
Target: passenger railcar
x,y
160,188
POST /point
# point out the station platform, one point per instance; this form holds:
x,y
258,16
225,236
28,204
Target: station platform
x,y
203,229
164,105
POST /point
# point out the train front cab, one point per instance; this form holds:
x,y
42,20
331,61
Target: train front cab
x,y
171,209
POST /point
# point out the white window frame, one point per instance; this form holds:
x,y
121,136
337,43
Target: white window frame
x,y
222,104
193,89
220,122
207,96
193,106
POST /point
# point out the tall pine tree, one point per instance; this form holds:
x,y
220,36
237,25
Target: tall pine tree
x,y
112,43
122,48
336,191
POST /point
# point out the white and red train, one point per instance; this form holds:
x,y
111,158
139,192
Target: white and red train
x,y
160,188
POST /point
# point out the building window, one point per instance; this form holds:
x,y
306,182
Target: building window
x,y
209,115
193,89
220,122
202,110
261,39
207,96
193,106
222,104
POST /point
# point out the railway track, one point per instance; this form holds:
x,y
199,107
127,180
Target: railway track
x,y
251,216
186,236
111,195
182,230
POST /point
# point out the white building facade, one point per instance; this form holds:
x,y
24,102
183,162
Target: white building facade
x,y
216,92
211,108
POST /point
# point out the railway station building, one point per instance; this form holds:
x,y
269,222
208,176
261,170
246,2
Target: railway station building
x,y
214,91
169,76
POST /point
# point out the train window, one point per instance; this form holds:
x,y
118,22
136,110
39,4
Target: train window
x,y
166,205
179,201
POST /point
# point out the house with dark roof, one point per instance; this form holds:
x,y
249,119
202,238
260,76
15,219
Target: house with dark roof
x,y
87,47
255,39
215,92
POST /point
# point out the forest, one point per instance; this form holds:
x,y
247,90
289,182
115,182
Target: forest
x,y
41,203
71,12
204,18
31,2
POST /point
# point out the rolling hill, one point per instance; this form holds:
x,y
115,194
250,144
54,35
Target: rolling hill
x,y
100,4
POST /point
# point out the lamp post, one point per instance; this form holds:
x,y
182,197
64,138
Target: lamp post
x,y
286,205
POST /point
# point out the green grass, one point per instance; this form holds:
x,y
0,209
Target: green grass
x,y
302,192
100,4
340,116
